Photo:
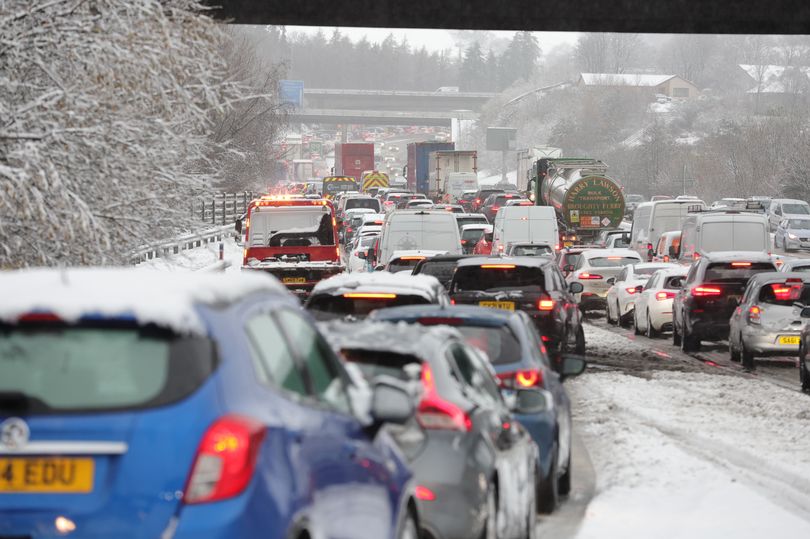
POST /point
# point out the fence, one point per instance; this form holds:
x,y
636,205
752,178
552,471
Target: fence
x,y
223,209
181,243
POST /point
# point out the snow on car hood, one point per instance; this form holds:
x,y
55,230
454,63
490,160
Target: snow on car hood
x,y
379,281
167,299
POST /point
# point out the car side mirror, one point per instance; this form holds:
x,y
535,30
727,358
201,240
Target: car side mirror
x,y
805,312
528,401
391,402
568,268
575,288
572,365
611,281
362,255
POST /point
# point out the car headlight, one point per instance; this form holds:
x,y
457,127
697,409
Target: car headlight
x,y
792,236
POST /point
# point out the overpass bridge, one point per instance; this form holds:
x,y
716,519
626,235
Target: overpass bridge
x,y
379,117
395,100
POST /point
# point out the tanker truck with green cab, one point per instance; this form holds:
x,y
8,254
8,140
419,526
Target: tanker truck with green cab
x,y
585,199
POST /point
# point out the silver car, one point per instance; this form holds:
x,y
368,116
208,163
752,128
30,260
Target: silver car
x,y
767,323
793,234
796,265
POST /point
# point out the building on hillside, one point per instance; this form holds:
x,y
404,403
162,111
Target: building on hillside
x,y
671,86
775,86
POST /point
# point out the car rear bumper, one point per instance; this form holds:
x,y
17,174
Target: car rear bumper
x,y
592,300
709,327
661,315
766,343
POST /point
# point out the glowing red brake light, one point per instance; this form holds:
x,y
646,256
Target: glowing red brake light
x,y
754,313
663,295
589,276
520,379
740,264
437,413
39,317
545,304
424,493
702,291
225,460
630,291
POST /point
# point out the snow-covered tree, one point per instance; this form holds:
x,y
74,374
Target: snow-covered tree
x,y
106,114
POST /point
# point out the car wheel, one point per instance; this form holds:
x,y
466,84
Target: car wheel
x,y
624,320
652,333
733,352
409,529
548,494
531,516
676,337
564,484
636,329
579,343
610,319
747,357
689,343
490,530
803,378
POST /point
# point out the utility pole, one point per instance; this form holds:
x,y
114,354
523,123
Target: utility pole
x,y
503,166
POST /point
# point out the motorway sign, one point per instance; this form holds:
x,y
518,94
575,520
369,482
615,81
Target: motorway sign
x,y
292,92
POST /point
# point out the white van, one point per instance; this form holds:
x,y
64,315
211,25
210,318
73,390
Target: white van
x,y
782,208
524,224
651,219
411,230
711,232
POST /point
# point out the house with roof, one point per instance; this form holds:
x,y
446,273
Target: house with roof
x,y
671,86
774,87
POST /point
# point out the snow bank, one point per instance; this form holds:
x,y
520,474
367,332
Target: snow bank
x,y
167,299
690,455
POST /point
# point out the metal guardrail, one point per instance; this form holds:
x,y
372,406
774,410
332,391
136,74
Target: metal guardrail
x,y
181,243
223,208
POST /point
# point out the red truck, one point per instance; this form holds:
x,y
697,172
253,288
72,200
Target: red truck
x,y
354,158
293,238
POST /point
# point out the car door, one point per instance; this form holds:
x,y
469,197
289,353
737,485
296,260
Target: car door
x,y
736,321
362,497
563,301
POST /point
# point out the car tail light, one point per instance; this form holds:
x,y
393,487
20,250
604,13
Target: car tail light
x,y
39,317
545,304
661,296
463,242
495,207
630,290
478,201
452,302
225,460
521,379
754,313
368,295
497,266
649,246
740,264
556,246
702,291
589,276
423,493
348,229
436,413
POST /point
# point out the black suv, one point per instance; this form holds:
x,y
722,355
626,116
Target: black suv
x,y
441,267
530,284
712,290
481,196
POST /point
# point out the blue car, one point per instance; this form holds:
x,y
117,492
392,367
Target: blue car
x,y
138,404
520,360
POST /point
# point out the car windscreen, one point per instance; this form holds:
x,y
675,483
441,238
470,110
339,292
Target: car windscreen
x,y
64,369
795,209
369,203
291,226
645,272
499,343
611,261
325,306
442,269
785,294
402,264
734,236
571,258
735,272
471,221
532,250
488,277
799,224
374,363
472,235
800,269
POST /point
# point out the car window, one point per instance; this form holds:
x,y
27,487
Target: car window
x,y
328,383
497,277
470,375
273,361
488,384
784,294
652,283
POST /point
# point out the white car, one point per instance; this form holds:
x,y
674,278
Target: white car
x,y
653,312
625,288
407,260
472,234
418,203
362,244
593,268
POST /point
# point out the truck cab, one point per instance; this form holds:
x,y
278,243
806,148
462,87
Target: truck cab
x,y
295,239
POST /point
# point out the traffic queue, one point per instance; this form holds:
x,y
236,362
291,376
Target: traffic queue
x,y
367,370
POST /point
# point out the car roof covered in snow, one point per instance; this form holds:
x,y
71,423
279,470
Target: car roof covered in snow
x,y
476,226
602,253
166,299
525,261
401,337
380,281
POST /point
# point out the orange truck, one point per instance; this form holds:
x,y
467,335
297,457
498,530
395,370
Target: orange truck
x,y
293,238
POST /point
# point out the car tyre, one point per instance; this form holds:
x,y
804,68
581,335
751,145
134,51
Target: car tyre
x,y
636,330
564,484
676,336
652,333
733,352
409,528
548,494
490,530
624,320
579,341
610,320
689,343
747,357
803,377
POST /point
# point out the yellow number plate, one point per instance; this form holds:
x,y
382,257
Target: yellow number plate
x,y
503,305
294,280
46,475
790,340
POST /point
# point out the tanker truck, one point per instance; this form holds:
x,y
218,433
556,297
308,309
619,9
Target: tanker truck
x,y
585,199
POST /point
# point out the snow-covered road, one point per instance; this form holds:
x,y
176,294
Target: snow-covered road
x,y
689,452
